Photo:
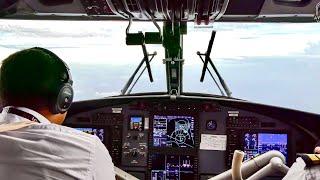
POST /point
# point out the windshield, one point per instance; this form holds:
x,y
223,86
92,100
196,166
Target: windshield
x,y
277,64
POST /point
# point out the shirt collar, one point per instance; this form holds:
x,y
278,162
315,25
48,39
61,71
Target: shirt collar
x,y
10,118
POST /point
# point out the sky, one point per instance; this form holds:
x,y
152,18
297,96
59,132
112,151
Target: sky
x,y
270,63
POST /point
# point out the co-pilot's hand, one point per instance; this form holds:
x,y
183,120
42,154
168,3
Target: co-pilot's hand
x,y
317,150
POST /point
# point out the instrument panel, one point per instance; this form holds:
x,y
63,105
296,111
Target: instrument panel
x,y
185,139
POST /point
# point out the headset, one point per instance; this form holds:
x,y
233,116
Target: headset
x,y
62,98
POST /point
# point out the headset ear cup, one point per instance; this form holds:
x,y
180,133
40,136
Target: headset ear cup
x,y
63,100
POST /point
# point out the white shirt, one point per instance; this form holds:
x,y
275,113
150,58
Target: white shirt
x,y
299,171
50,151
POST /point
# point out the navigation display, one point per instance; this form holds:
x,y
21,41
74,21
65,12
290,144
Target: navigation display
x,y
136,123
94,131
259,143
171,167
173,131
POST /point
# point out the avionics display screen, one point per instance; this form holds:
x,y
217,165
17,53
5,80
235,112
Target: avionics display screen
x,y
259,143
94,131
171,167
136,123
173,131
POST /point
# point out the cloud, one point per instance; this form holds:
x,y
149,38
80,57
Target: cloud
x,y
87,42
100,42
57,29
254,40
106,94
6,51
313,48
281,81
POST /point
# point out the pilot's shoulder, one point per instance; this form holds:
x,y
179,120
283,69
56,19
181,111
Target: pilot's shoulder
x,y
59,131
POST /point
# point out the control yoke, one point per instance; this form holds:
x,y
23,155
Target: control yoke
x,y
257,168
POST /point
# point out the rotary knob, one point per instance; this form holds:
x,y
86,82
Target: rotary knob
x,y
134,153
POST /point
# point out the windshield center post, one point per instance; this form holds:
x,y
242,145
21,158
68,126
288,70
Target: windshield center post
x,y
173,44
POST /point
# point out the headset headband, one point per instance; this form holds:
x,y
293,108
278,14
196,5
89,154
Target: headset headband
x,y
69,78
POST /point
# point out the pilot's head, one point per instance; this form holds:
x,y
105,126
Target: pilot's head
x,y
37,79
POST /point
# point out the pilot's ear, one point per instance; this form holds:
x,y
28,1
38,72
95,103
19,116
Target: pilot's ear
x,y
317,150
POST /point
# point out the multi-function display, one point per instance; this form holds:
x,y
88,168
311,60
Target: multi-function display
x,y
173,131
172,167
259,143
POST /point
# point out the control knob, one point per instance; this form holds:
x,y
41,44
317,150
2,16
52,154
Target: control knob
x,y
134,153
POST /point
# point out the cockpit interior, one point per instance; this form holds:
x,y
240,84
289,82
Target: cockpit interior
x,y
158,137
180,135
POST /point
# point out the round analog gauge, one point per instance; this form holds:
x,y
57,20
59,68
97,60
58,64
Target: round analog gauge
x,y
211,125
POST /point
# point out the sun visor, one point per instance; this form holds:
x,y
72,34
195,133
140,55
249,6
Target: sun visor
x,y
288,8
55,6
237,7
8,7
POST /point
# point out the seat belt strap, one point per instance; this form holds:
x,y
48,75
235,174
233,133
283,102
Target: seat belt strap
x,y
15,125
18,125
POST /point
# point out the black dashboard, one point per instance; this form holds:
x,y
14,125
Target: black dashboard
x,y
190,137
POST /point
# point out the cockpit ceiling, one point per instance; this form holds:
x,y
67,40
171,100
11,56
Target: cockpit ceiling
x,y
199,11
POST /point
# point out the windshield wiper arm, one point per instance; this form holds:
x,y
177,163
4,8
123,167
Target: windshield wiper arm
x,y
147,61
215,81
207,56
208,60
135,82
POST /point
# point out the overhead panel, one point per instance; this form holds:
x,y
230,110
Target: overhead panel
x,y
199,11
183,10
96,7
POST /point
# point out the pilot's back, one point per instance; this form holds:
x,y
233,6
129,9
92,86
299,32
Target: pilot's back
x,y
49,151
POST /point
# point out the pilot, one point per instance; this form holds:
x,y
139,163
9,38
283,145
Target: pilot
x,y
36,92
307,166
317,148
